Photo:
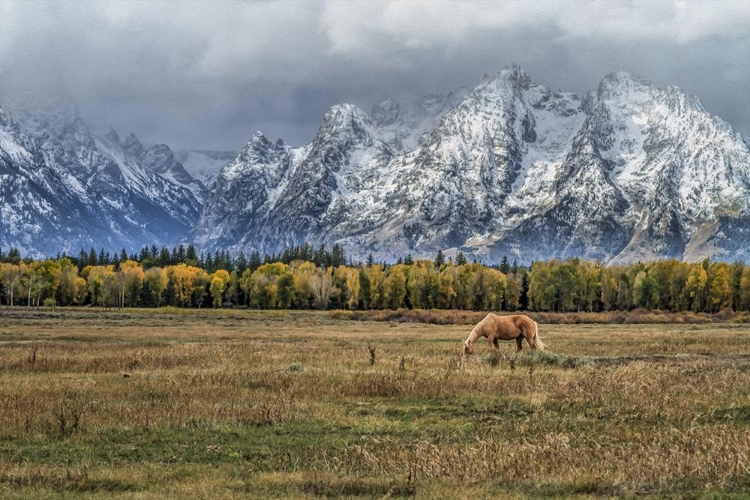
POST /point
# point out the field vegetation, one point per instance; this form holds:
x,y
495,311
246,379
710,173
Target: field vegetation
x,y
153,403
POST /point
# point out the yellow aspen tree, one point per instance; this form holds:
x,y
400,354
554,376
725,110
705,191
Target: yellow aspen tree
x,y
219,282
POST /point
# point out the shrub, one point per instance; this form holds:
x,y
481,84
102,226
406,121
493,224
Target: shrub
x,y
550,358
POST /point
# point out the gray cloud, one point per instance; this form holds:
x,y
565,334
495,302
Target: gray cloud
x,y
208,74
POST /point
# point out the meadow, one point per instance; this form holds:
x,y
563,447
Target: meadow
x,y
185,403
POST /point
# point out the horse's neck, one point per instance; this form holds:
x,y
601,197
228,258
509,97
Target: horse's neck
x,y
473,336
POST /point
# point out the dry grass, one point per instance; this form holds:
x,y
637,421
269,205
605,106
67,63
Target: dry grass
x,y
207,405
457,317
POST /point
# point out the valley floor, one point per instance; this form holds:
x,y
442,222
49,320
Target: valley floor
x,y
227,404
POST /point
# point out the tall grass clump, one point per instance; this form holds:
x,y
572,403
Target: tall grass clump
x,y
549,358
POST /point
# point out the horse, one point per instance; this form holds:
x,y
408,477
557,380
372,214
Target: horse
x,y
496,327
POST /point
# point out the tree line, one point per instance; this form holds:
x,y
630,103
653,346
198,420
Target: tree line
x,y
304,277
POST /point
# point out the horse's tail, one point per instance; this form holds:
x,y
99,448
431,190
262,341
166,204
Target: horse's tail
x,y
537,340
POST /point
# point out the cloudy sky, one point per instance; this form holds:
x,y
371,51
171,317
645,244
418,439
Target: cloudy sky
x,y
207,74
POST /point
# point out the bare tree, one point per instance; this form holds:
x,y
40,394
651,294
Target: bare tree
x,y
321,283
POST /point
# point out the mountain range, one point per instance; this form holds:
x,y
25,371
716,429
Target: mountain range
x,y
630,171
63,187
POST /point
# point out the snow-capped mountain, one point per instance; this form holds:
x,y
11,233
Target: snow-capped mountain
x,y
161,160
64,187
204,165
631,171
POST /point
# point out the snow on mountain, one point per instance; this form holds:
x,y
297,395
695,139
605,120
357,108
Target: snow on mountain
x,y
673,175
510,167
64,187
404,127
274,196
160,159
204,165
42,206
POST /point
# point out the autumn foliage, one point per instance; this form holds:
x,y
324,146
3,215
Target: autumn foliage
x,y
321,280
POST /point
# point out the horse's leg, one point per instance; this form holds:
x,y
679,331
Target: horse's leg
x,y
530,339
496,343
519,346
493,344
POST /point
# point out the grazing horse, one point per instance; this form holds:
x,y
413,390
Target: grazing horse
x,y
496,327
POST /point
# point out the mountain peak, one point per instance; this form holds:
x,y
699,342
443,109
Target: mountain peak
x,y
509,79
622,81
385,113
112,136
161,149
259,142
132,145
345,119
344,112
515,75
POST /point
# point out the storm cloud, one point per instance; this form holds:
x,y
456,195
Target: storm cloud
x,y
209,74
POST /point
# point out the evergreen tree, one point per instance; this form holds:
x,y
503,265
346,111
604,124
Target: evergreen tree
x,y
504,266
460,259
191,254
165,258
14,256
144,255
240,263
181,255
320,258
524,300
286,255
370,260
337,256
228,261
439,259
254,262
82,259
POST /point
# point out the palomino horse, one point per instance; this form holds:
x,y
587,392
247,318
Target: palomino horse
x,y
496,327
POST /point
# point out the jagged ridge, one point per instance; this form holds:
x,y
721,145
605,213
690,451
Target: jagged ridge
x,y
63,187
511,168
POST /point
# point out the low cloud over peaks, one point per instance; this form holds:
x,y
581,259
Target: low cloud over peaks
x,y
208,74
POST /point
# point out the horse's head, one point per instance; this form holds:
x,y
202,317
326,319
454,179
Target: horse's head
x,y
467,349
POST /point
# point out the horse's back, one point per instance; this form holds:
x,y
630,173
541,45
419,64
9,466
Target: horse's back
x,y
502,327
523,321
520,322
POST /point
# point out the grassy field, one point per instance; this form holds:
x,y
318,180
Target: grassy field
x,y
212,404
